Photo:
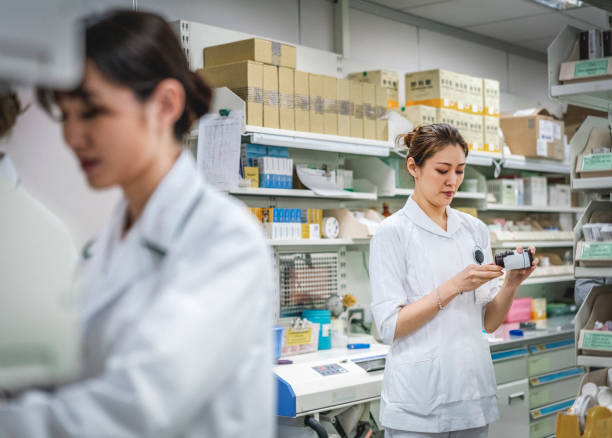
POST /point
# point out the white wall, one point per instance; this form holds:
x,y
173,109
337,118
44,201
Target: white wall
x,y
50,173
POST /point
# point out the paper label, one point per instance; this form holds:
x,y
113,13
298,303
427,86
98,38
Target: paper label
x,y
542,147
546,130
298,338
597,162
595,340
594,67
597,251
557,131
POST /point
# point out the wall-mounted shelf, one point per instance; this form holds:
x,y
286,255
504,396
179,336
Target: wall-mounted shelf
x,y
593,94
298,193
317,142
317,242
519,162
542,244
595,184
535,209
459,195
594,361
547,280
590,272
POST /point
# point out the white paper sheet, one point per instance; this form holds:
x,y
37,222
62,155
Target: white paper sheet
x,y
218,153
323,184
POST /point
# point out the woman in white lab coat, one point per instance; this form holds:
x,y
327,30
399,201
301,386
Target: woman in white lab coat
x,y
176,292
432,295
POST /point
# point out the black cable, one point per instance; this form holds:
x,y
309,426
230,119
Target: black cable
x,y
316,426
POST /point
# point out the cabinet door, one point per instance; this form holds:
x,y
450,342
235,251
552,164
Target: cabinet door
x,y
513,402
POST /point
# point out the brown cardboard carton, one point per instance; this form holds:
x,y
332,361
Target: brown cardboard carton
x,y
246,80
315,87
369,110
356,95
383,78
491,97
382,128
302,101
534,133
253,49
437,88
492,142
330,105
344,107
286,98
270,96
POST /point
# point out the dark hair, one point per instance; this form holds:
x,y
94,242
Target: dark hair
x,y
426,140
10,108
138,50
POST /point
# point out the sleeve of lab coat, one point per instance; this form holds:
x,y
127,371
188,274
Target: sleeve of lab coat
x,y
387,268
174,360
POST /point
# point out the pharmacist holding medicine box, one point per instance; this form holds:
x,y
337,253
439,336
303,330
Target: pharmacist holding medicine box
x,y
434,290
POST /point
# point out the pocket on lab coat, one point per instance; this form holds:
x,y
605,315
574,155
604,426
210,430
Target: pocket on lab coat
x,y
413,385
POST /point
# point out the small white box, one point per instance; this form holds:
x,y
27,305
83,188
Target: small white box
x,y
559,195
536,191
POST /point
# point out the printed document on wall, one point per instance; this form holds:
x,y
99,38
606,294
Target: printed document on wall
x,y
218,157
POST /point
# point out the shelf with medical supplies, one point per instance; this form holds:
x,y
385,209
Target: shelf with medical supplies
x,y
298,193
317,242
591,151
401,192
533,208
593,241
537,244
520,162
592,329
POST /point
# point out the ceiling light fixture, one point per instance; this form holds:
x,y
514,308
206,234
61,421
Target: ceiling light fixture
x,y
561,5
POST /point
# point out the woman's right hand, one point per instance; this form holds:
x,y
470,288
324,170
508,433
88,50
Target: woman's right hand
x,y
474,276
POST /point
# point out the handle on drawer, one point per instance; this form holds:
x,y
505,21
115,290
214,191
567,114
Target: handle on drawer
x,y
517,396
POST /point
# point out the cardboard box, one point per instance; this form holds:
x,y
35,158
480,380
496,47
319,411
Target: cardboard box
x,y
383,78
534,133
585,71
253,49
330,105
344,107
356,96
315,89
270,96
437,88
286,98
419,114
246,80
492,141
460,94
474,97
382,123
452,117
369,111
474,131
491,97
302,101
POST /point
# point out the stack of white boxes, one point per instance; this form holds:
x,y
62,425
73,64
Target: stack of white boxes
x,y
536,191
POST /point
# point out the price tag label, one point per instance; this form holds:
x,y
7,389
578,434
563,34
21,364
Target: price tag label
x,y
595,67
596,162
596,251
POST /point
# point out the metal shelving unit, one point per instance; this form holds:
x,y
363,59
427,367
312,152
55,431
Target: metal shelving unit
x,y
298,193
535,209
594,361
459,195
542,244
519,162
317,242
547,280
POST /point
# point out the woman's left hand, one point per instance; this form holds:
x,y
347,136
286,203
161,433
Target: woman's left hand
x,y
515,277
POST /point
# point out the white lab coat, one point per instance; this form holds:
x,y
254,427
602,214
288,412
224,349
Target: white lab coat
x,y
177,325
439,378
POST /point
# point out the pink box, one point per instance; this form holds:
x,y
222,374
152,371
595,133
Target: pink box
x,y
520,310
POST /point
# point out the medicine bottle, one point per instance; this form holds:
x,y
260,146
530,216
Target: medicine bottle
x,y
510,260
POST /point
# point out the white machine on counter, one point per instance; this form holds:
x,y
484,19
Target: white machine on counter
x,y
329,379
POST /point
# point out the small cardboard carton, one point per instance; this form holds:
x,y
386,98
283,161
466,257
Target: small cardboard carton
x,y
356,96
491,97
369,111
383,78
382,123
253,49
344,107
315,89
534,133
302,101
330,105
286,98
270,96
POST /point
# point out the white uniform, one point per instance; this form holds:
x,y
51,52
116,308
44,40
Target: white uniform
x,y
177,320
440,377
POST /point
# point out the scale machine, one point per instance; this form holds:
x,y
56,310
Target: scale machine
x,y
327,393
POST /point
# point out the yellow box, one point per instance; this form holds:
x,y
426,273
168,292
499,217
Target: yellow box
x,y
270,96
437,88
344,107
356,96
246,80
330,105
252,173
302,101
315,87
491,97
253,49
286,98
369,110
382,124
383,78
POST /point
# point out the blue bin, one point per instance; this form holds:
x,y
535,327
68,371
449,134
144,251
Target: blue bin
x,y
322,317
278,341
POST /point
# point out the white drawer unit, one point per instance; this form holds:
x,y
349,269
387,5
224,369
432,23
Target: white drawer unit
x,y
554,387
543,419
513,402
552,356
510,365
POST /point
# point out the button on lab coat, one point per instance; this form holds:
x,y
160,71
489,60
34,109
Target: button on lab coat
x,y
177,325
439,378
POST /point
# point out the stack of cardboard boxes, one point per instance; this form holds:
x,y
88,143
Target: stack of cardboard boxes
x,y
469,103
277,95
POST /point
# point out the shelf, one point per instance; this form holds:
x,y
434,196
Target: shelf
x,y
317,242
594,361
550,279
296,193
547,209
520,162
542,244
586,272
596,184
317,142
482,158
459,195
593,94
